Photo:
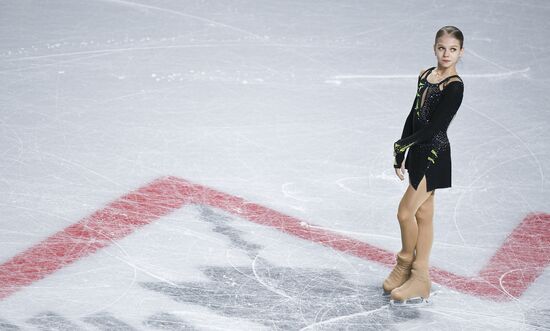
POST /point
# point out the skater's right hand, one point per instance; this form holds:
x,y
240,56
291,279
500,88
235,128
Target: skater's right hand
x,y
400,172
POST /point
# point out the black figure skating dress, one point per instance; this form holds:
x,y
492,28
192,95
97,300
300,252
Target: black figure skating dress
x,y
425,132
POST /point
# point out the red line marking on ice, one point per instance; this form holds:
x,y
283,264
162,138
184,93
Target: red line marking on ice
x,y
514,267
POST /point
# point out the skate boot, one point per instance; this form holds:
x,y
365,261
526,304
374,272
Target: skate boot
x,y
416,290
399,275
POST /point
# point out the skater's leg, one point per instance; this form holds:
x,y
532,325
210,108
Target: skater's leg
x,y
408,207
424,219
421,203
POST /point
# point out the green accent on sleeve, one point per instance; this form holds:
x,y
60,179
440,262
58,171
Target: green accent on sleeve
x,y
403,148
429,158
434,153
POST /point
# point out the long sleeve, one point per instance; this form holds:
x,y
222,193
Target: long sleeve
x,y
444,112
407,131
408,127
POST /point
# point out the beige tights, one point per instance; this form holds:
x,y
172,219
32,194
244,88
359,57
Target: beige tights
x,y
415,215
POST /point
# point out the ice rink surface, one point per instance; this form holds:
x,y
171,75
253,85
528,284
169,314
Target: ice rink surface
x,y
227,165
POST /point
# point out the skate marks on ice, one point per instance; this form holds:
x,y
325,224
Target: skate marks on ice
x,y
261,292
221,226
52,321
166,321
282,297
147,204
513,268
286,298
539,318
6,326
105,321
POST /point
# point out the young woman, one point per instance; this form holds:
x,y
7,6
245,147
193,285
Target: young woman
x,y
438,97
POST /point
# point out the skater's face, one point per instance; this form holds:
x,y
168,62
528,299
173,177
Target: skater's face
x,y
447,50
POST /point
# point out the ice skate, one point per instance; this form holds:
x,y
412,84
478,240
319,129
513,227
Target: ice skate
x,y
415,292
399,275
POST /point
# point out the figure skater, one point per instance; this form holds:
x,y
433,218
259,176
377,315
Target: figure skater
x,y
428,163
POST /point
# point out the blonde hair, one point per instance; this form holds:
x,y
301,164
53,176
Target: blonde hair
x,y
451,30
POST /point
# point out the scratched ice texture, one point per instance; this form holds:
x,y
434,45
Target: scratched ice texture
x,y
292,105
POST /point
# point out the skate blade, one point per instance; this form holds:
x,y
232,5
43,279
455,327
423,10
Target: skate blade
x,y
411,303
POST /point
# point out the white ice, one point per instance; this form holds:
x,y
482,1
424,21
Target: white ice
x,y
293,105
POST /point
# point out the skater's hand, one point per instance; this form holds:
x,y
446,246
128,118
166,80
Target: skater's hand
x,y
400,171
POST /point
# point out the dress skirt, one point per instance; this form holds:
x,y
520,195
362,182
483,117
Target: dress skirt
x,y
417,163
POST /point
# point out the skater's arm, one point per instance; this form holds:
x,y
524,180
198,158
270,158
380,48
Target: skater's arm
x,y
408,127
407,131
451,99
